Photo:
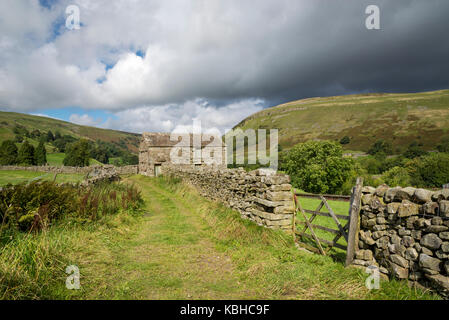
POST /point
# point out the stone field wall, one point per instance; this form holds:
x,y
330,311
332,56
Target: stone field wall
x,y
405,232
262,196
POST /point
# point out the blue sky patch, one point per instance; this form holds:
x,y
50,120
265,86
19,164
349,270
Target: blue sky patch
x,y
65,113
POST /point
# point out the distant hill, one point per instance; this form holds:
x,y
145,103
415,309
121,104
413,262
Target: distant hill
x,y
364,118
9,120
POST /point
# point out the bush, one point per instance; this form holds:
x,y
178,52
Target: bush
x,y
345,140
397,176
8,153
317,166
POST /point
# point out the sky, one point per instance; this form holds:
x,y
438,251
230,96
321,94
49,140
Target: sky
x,y
157,65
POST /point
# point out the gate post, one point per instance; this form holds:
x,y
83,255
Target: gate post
x,y
354,210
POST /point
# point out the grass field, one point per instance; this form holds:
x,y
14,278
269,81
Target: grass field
x,y
338,207
56,159
19,176
366,118
183,247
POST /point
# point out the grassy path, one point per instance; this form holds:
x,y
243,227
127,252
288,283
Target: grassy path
x,y
186,247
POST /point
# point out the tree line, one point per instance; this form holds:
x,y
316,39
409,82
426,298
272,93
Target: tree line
x,y
77,151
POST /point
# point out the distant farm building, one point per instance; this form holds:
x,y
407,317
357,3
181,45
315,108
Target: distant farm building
x,y
158,150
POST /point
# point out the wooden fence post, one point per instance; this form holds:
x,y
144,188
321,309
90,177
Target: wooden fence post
x,y
354,211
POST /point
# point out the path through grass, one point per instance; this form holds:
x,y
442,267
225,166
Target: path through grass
x,y
186,247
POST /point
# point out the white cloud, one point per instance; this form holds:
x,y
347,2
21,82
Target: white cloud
x,y
180,117
84,120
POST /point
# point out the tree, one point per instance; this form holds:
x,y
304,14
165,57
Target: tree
x,y
371,164
50,136
35,134
414,150
77,154
318,166
431,171
345,140
130,159
100,153
397,176
8,153
58,135
18,138
41,154
26,154
444,145
381,146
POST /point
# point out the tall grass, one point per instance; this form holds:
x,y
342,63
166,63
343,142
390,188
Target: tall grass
x,y
32,265
33,260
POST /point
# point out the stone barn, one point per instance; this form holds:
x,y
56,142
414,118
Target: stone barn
x,y
159,150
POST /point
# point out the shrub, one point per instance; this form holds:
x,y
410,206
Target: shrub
x,y
397,176
345,140
317,166
8,153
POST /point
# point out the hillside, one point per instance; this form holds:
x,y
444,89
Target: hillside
x,y
364,118
9,120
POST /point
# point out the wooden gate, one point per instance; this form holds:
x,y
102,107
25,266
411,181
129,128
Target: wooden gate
x,y
346,226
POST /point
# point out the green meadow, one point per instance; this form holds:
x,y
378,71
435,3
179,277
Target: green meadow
x,y
20,176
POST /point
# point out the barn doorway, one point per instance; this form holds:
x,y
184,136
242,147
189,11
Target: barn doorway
x,y
157,170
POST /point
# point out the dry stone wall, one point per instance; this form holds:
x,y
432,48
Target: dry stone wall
x,y
405,232
262,196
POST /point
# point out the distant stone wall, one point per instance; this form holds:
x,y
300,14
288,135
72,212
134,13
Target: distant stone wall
x,y
73,170
405,232
261,195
